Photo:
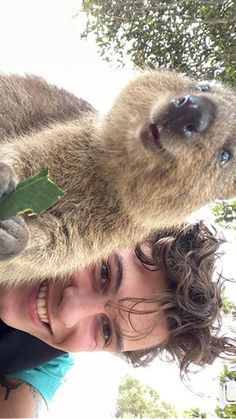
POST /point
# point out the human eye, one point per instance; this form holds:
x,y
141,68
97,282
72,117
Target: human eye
x,y
104,276
106,330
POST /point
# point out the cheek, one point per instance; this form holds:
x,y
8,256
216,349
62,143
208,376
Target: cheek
x,y
14,309
82,338
226,185
9,306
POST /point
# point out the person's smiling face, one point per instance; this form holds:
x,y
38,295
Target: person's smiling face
x,y
75,317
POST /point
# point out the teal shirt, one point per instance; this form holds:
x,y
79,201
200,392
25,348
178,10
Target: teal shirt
x,y
47,377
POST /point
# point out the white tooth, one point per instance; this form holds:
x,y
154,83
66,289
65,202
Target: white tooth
x,y
41,310
41,303
43,317
40,297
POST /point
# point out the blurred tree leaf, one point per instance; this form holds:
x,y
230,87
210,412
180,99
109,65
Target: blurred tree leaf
x,y
225,213
137,400
194,413
228,412
229,308
195,37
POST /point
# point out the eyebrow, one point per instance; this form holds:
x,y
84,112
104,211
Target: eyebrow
x,y
119,337
117,284
119,272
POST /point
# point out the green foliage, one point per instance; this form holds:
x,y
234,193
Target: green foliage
x,y
229,308
194,413
227,375
35,195
227,412
195,37
141,401
225,213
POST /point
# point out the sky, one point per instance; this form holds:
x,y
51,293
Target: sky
x,y
41,37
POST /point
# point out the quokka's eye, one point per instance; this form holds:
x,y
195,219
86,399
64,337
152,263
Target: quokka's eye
x,y
203,86
225,156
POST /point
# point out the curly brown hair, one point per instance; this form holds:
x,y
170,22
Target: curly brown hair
x,y
192,304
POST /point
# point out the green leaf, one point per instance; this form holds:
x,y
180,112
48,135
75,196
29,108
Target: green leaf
x,y
35,195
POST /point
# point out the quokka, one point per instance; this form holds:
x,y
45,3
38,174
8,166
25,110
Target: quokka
x,y
164,149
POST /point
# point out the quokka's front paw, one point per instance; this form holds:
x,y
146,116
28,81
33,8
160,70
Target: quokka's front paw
x,y
7,179
13,237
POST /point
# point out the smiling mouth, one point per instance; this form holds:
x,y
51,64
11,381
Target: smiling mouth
x,y
41,303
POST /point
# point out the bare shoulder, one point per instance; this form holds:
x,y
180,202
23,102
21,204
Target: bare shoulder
x,y
19,399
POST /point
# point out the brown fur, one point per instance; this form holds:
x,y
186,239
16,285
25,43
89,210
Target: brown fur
x,y
118,188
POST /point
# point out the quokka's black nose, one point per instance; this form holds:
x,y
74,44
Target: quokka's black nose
x,y
189,114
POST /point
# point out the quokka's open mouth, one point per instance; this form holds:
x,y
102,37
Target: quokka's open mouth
x,y
150,136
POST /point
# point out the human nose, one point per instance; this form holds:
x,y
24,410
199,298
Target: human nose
x,y
76,305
